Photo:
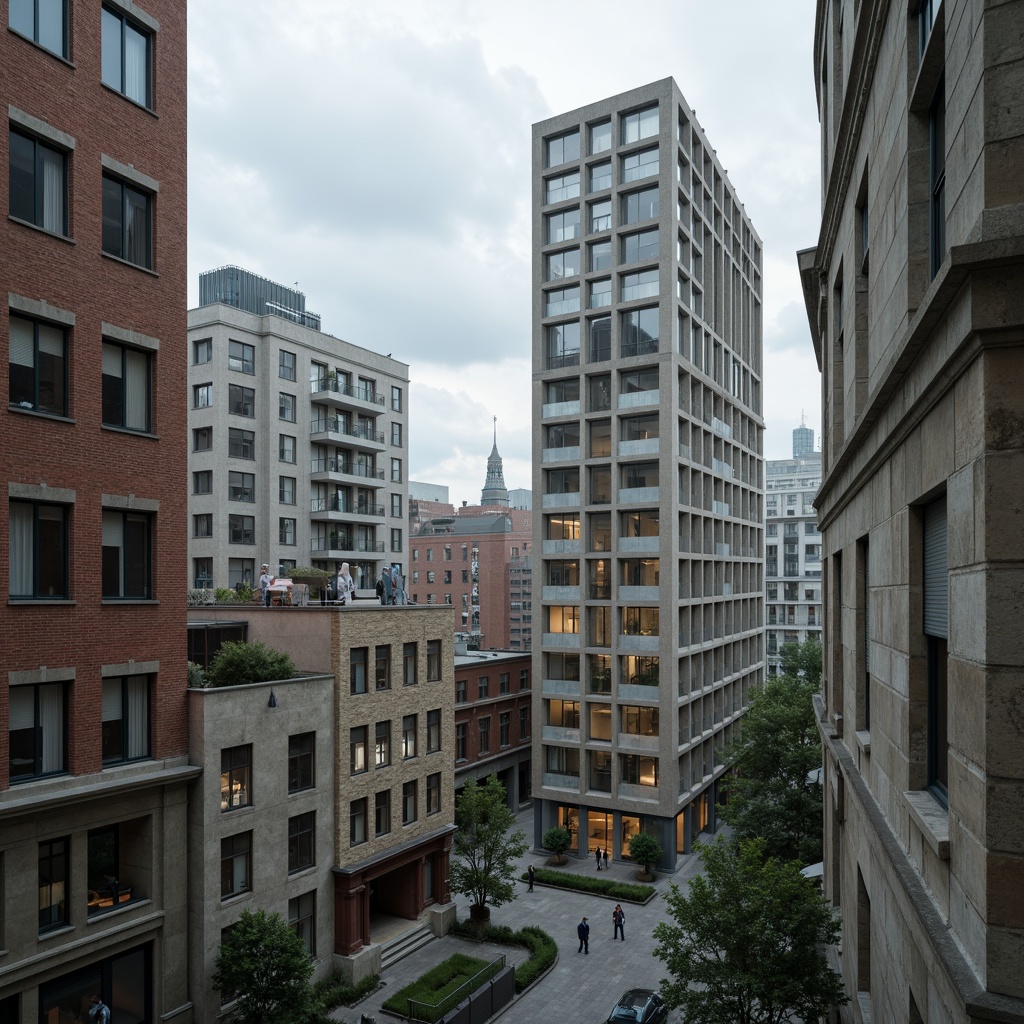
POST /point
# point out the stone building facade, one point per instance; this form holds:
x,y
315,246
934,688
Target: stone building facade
x,y
915,297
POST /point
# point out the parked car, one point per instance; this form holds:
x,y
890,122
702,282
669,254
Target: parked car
x,y
639,1006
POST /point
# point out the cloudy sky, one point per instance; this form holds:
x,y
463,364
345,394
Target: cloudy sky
x,y
378,154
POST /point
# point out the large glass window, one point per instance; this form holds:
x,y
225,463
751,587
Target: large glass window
x,y
286,365
563,573
642,285
638,428
638,721
563,618
302,919
126,387
433,661
640,621
640,670
241,486
562,149
409,802
409,664
38,183
301,841
43,21
125,729
634,381
600,176
563,481
301,762
127,554
235,777
127,222
601,137
641,246
558,391
286,407
937,168
601,215
600,293
241,357
241,443
638,770
38,366
600,439
563,226
358,660
126,57
202,396
357,740
433,730
38,551
562,264
562,435
241,529
640,331
382,813
641,523
286,448
286,531
408,736
241,401
562,300
37,730
565,186
600,255
286,490
641,124
640,206
639,165
235,865
562,527
600,339
563,342
54,883
434,793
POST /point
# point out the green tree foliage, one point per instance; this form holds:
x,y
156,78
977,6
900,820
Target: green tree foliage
x,y
237,663
485,846
557,840
645,850
747,934
802,661
264,963
775,791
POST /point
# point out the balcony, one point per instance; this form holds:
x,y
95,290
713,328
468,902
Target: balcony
x,y
562,499
557,360
333,430
554,780
328,391
336,470
334,508
341,546
638,399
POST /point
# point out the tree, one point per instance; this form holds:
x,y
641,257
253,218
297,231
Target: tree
x,y
265,964
747,935
802,661
775,791
557,840
645,850
485,846
237,663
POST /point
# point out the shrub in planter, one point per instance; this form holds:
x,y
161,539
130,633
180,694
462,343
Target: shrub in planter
x,y
557,840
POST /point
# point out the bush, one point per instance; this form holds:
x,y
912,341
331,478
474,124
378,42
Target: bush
x,y
645,850
557,840
237,663
331,992
225,595
196,679
598,886
543,949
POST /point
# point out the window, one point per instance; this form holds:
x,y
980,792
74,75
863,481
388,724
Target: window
x,y
241,443
241,357
396,435
54,883
641,285
640,125
563,342
563,226
460,741
125,710
433,661
408,736
126,387
434,793
357,669
639,165
409,666
565,186
286,448
600,176
601,215
408,802
202,439
524,679
241,401
301,762
357,822
42,21
286,490
235,865
357,739
504,728
382,668
481,688
639,771
640,206
202,351
302,919
235,777
286,531
301,841
641,246
937,176
601,347
38,366
461,695
126,555
524,723
286,407
562,149
485,734
562,264
396,506
286,365
241,486
639,330
936,631
126,57
37,731
396,471
600,137
433,730
600,255
382,813
396,399
202,572
38,183
382,745
241,530
600,293
202,482
127,221
202,396
396,540
504,683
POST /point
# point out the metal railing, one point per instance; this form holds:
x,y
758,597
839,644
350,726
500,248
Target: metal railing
x,y
422,1011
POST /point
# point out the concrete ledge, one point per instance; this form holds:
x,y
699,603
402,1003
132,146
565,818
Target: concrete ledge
x,y
932,819
360,964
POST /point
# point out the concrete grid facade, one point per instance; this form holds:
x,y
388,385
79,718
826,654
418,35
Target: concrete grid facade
x,y
648,462
298,450
94,774
914,297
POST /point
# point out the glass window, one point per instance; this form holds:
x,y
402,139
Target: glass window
x,y
357,750
408,802
127,553
126,57
38,551
286,407
601,137
563,226
202,351
357,822
639,125
38,183
640,206
434,793
127,222
600,340
302,920
562,264
235,777
639,165
642,285
563,343
241,530
562,149
37,731
565,186
125,725
409,663
38,366
301,841
241,357
562,300
241,443
126,387
202,439
485,734
433,661
558,391
600,293
600,255
286,365
382,813
42,21
235,865
633,381
600,176
640,331
433,730
358,661
600,438
286,531
286,448
396,399
601,215
396,435
382,669
54,883
241,401
202,482
301,762
396,471
408,736
641,246
286,490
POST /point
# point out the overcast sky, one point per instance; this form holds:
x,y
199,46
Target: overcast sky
x,y
378,154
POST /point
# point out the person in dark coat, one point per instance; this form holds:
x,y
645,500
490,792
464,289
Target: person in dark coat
x,y
385,594
583,931
597,857
619,920
606,858
529,874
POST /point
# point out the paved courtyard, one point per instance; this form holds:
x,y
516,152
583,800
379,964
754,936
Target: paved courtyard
x,y
578,989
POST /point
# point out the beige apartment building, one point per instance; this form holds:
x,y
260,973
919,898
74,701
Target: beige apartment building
x,y
915,297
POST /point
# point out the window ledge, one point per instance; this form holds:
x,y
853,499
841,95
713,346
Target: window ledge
x,y
53,933
41,230
52,416
114,429
128,600
42,49
932,819
128,99
864,740
128,263
31,602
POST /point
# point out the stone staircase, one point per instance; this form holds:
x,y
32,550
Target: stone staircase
x,y
402,945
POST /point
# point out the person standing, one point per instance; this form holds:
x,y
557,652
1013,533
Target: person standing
x,y
619,920
265,580
398,582
346,586
583,931
597,857
385,581
99,1012
606,858
529,874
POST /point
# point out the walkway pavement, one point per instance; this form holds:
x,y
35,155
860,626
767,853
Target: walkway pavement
x,y
578,989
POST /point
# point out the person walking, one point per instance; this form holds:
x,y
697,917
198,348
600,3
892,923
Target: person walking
x,y
265,580
597,857
346,586
529,875
619,920
606,858
583,931
384,587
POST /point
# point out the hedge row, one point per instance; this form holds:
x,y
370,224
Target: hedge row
x,y
331,992
597,886
435,986
543,949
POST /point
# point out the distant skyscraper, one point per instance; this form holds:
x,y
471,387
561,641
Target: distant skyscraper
x,y
495,492
803,441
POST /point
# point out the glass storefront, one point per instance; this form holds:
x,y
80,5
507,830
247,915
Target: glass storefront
x,y
569,819
123,982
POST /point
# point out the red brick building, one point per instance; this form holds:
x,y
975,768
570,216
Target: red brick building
x,y
93,784
492,720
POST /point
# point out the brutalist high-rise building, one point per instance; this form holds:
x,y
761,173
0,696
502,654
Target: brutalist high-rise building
x,y
648,463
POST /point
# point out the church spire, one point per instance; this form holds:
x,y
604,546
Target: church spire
x,y
495,492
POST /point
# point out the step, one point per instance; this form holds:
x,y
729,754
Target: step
x,y
402,945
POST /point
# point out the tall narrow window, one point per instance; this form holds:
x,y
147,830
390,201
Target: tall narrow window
x,y
127,555
126,387
43,21
864,555
54,883
38,366
37,731
38,183
125,733
126,57
38,551
127,223
937,175
936,630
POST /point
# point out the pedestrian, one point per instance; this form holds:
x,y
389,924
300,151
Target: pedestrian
x,y
606,858
99,1012
529,874
395,576
619,920
583,931
346,586
384,587
597,857
265,580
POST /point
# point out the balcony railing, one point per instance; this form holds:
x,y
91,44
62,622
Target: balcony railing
x,y
362,394
556,360
355,508
344,543
336,426
346,467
